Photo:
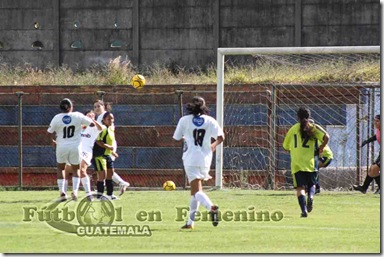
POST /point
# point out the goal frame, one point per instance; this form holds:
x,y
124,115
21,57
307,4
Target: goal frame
x,y
222,52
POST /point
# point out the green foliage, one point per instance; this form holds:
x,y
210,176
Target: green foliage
x,y
119,71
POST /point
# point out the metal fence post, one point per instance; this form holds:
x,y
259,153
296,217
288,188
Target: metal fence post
x,y
20,137
100,95
180,98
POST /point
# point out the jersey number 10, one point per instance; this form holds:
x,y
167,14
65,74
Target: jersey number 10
x,y
68,132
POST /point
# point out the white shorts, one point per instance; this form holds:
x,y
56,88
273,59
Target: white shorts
x,y
87,157
196,172
68,154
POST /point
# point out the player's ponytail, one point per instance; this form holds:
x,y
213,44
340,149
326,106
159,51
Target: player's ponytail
x,y
197,106
303,115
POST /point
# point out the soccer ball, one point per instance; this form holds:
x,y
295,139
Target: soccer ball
x,y
169,185
138,81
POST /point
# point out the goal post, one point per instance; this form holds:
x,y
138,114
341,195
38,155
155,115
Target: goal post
x,y
267,51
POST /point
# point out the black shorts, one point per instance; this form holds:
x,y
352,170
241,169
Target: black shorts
x,y
304,179
101,163
377,161
325,160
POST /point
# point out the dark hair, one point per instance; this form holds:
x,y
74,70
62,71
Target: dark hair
x,y
65,105
106,114
89,111
107,106
303,115
197,106
377,116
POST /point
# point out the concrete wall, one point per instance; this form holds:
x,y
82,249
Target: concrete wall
x,y
186,33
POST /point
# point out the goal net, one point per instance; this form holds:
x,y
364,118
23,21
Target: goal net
x,y
340,86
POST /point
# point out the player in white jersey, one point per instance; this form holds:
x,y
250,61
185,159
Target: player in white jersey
x,y
88,138
100,108
197,129
65,128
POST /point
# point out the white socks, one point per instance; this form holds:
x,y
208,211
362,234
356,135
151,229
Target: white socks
x,y
204,200
75,184
117,179
193,207
61,185
86,184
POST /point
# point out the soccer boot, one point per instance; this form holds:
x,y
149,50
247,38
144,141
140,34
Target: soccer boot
x,y
359,188
215,215
304,215
62,198
90,198
123,187
186,226
309,204
74,196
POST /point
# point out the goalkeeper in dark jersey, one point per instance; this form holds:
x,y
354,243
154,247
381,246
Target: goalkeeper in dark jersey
x,y
374,170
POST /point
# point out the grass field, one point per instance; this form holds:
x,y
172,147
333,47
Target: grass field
x,y
342,222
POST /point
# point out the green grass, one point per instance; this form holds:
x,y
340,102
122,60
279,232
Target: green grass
x,y
341,222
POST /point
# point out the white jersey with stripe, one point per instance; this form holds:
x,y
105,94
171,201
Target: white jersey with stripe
x,y
197,132
68,126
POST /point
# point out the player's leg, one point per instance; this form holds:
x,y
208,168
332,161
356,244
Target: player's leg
x,y
121,182
108,180
323,163
75,180
374,172
74,160
367,181
100,164
299,185
193,203
202,173
60,173
84,178
68,176
311,185
61,153
86,161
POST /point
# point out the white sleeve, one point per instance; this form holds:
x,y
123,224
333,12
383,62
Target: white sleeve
x,y
217,130
51,127
178,134
85,120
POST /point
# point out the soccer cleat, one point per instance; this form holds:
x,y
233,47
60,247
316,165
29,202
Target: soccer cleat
x,y
62,198
215,215
123,187
309,204
90,198
359,188
74,196
186,226
304,215
112,197
377,192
